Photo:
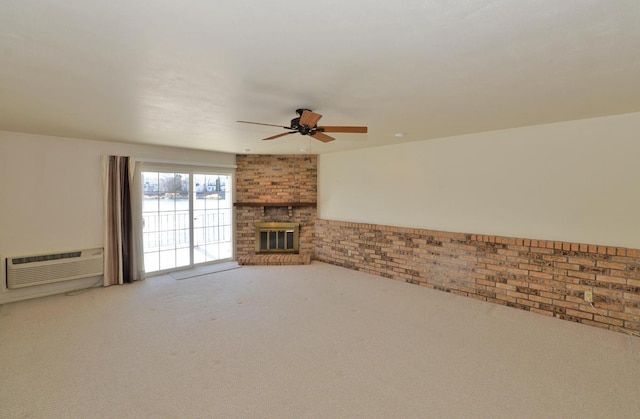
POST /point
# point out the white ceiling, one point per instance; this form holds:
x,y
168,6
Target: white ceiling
x,y
181,73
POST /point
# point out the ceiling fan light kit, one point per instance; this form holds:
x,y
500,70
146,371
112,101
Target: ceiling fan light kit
x,y
307,124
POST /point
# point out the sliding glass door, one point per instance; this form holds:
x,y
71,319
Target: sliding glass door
x,y
187,219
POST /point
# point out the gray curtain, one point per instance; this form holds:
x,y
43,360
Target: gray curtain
x,y
123,245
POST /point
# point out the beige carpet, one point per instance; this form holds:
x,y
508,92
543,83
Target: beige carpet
x,y
313,341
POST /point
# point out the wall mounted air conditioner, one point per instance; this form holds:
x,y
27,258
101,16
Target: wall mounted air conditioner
x,y
27,271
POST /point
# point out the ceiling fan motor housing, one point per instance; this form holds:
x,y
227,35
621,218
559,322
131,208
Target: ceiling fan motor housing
x,y
295,123
302,129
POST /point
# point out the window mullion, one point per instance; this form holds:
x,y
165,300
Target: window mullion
x,y
192,192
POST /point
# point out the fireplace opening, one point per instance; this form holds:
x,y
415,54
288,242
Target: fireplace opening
x,y
277,237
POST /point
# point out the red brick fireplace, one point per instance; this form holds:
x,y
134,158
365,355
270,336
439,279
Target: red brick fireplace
x,y
275,188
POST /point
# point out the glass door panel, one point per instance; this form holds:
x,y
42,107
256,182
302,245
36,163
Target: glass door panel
x,y
212,206
165,214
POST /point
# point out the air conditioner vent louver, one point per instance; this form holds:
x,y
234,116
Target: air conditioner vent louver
x,y
26,271
42,258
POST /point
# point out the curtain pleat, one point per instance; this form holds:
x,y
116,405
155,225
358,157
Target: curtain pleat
x,y
123,246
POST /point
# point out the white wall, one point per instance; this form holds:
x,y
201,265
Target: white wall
x,y
51,196
576,181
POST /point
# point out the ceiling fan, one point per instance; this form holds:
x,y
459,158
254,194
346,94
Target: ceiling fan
x,y
307,124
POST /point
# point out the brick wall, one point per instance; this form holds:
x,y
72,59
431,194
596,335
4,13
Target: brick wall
x,y
269,179
545,277
276,178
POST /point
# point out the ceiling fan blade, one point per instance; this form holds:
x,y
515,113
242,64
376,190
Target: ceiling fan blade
x,y
309,118
260,123
273,137
355,130
322,137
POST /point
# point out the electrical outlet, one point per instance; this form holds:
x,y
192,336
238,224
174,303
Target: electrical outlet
x,y
588,296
